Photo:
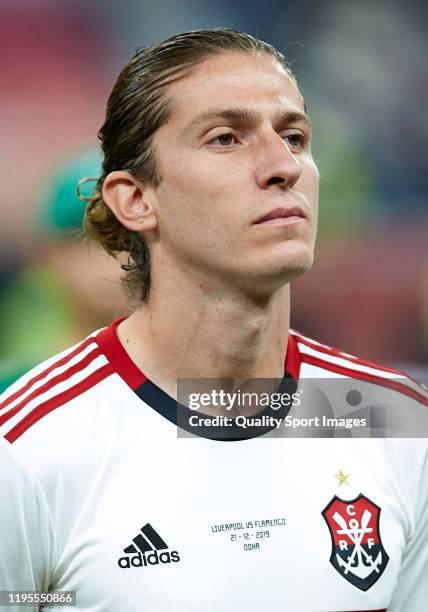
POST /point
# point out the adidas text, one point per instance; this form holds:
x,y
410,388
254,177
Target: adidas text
x,y
154,558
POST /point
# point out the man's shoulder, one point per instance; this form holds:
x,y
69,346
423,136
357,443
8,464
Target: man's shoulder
x,y
319,360
56,381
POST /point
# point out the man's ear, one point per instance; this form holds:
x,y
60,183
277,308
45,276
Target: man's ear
x,y
131,200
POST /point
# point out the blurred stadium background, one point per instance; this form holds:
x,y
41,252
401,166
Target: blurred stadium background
x,y
362,67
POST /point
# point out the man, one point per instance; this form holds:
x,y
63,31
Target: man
x,y
209,185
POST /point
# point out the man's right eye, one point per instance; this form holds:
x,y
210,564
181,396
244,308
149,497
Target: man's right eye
x,y
224,140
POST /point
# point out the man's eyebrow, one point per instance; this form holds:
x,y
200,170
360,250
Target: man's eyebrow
x,y
242,115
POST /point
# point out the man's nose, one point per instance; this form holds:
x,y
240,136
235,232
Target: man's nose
x,y
277,164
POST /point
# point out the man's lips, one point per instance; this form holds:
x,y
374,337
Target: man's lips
x,y
279,215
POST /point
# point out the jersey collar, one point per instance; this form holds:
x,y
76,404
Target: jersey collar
x,y
168,407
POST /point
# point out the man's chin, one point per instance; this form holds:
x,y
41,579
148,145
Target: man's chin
x,y
290,273
286,269
264,282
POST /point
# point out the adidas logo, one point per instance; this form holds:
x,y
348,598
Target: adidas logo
x,y
147,540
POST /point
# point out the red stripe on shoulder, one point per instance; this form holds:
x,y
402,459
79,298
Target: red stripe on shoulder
x,y
44,373
44,408
112,348
52,382
328,350
359,375
292,358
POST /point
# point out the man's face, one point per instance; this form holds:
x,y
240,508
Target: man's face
x,y
234,152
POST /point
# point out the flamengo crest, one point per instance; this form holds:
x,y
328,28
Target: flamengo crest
x,y
357,550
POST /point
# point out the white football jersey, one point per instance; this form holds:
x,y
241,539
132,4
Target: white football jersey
x,y
101,495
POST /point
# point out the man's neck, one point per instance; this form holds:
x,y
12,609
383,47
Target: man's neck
x,y
216,337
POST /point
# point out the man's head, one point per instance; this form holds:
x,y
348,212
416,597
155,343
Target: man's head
x,y
206,134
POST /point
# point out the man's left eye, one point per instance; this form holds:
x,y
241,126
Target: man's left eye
x,y
295,140
224,140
